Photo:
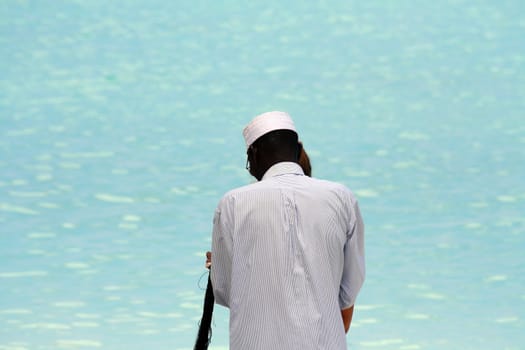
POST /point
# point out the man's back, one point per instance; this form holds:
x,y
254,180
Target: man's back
x,y
288,257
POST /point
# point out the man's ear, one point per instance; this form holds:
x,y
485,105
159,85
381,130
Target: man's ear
x,y
252,156
251,153
253,159
299,149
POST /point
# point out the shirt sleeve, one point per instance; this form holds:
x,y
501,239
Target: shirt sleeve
x,y
354,260
221,266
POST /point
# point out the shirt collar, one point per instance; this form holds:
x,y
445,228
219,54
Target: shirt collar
x,y
283,168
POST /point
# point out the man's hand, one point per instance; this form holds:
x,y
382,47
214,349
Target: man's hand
x,y
208,260
347,317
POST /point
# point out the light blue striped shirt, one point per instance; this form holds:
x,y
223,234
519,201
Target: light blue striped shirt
x,y
288,256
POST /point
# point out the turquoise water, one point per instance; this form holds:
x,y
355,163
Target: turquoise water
x,y
120,128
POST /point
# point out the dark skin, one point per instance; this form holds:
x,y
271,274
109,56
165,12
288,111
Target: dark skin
x,y
304,162
261,161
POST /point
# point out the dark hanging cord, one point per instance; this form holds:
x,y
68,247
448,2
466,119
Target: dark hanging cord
x,y
199,283
204,335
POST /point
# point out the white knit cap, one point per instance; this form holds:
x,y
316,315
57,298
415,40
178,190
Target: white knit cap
x,y
266,122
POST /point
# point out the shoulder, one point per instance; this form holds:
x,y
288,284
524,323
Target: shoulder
x,y
246,189
337,188
231,196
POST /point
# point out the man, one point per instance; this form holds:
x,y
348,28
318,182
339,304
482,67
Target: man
x,y
288,251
